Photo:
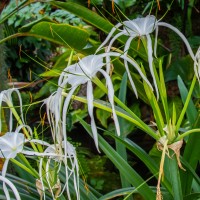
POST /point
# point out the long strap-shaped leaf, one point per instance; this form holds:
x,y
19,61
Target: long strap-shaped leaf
x,y
192,146
129,173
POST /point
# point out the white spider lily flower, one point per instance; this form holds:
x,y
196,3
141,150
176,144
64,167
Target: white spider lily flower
x,y
6,97
62,151
11,144
54,118
81,73
70,162
139,27
12,186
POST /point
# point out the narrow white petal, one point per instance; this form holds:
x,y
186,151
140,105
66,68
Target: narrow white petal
x,y
108,50
127,45
181,36
90,99
39,142
150,60
4,170
41,177
64,110
111,99
33,153
12,186
109,36
156,41
131,61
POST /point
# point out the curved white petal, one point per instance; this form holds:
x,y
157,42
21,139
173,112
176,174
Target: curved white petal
x,y
90,99
156,41
12,186
4,170
132,62
109,36
150,60
127,45
181,36
197,64
65,108
111,99
108,50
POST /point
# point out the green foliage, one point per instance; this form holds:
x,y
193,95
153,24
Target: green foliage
x,y
58,36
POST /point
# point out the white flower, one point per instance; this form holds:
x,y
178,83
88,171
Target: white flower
x,y
61,151
69,159
11,144
134,28
80,73
141,27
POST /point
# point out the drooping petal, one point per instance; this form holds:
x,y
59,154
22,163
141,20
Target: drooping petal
x,y
108,50
64,110
150,60
4,170
132,62
12,186
109,36
90,99
111,99
127,45
181,36
156,41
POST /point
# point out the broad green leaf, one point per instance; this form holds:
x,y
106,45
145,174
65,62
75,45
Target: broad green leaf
x,y
71,36
28,26
131,190
145,158
97,21
62,34
121,150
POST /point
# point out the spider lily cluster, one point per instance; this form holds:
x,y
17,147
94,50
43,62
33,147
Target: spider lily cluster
x,y
85,71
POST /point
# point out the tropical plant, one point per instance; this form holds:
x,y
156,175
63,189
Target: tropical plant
x,y
113,72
